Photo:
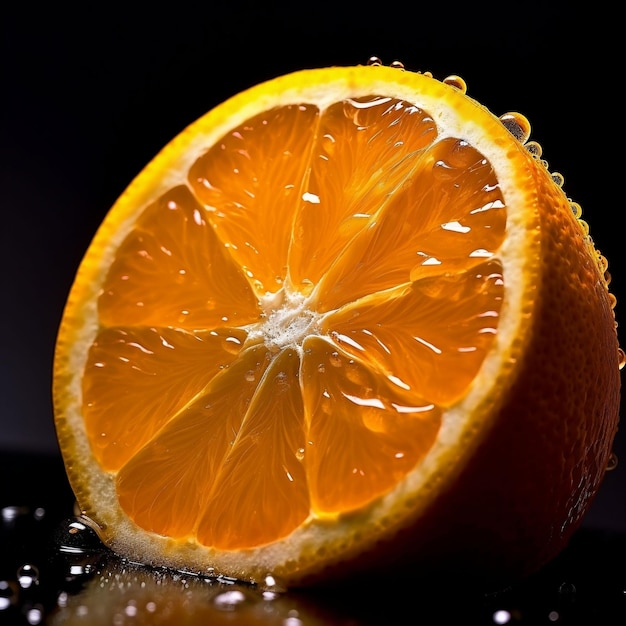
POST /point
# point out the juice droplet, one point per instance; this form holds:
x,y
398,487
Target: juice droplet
x,y
612,462
517,124
456,81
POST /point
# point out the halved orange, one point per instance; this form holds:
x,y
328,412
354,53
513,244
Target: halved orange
x,y
346,320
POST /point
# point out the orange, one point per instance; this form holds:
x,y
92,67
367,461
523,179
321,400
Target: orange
x,y
348,320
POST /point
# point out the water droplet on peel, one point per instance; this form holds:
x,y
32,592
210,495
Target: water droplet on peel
x,y
534,148
517,124
456,81
27,576
621,358
584,226
576,209
557,178
612,462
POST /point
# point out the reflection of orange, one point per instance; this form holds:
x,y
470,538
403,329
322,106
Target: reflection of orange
x,y
126,594
343,304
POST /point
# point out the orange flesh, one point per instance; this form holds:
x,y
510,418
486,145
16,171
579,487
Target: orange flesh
x,y
279,338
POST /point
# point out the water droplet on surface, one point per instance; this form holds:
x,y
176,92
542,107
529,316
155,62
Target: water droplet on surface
x,y
39,513
517,124
272,586
397,64
77,536
34,614
374,61
300,454
27,576
11,514
567,589
8,594
621,358
501,617
230,600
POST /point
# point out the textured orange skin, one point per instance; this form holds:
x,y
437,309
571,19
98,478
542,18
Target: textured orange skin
x,y
509,512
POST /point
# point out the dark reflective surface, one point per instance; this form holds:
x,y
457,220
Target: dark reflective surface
x,y
54,571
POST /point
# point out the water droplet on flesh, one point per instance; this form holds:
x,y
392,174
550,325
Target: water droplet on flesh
x,y
335,359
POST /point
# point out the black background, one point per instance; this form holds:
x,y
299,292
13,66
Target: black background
x,y
89,95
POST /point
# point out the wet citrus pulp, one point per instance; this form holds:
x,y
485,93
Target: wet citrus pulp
x,y
345,320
